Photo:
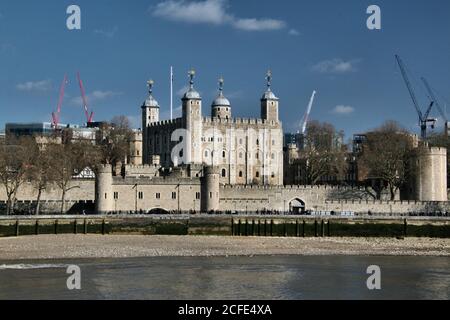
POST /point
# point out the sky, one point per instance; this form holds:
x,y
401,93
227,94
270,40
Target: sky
x,y
321,45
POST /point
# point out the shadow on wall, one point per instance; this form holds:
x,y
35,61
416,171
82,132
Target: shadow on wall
x,y
50,207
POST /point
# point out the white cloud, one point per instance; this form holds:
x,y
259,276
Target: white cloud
x,y
41,86
209,11
212,12
94,96
343,110
107,33
294,32
259,24
335,66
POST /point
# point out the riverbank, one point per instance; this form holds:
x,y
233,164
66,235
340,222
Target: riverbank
x,y
127,246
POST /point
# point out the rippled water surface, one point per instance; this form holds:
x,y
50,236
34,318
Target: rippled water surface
x,y
265,277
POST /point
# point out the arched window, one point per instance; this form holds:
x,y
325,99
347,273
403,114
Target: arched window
x,y
240,174
206,153
224,173
223,154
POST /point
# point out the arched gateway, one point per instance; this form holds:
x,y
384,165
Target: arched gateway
x,y
297,206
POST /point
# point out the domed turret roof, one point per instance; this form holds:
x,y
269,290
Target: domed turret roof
x,y
150,102
221,101
191,93
269,95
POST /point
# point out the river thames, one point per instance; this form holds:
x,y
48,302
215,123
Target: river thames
x,y
229,278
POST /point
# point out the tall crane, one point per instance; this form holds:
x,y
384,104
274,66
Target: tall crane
x,y
89,116
423,117
436,102
308,112
56,115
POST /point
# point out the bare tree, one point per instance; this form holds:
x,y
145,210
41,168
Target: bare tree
x,y
68,160
39,171
15,161
323,153
115,140
385,156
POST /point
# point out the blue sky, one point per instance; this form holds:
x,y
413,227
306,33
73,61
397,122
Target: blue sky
x,y
309,45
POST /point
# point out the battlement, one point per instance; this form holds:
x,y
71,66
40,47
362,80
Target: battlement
x,y
290,187
386,202
243,121
173,122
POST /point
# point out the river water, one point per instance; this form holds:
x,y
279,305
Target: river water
x,y
262,277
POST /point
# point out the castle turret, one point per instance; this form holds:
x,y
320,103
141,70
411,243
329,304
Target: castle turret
x,y
150,114
430,174
104,201
210,189
269,102
221,107
192,120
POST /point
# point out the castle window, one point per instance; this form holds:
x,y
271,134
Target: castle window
x,y
240,174
273,175
174,195
197,195
141,195
240,141
181,154
158,195
257,142
240,155
210,194
116,195
106,196
223,154
224,173
257,174
257,155
206,154
137,152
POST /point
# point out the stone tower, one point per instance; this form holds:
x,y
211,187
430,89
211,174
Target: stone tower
x,y
104,197
192,121
269,102
221,107
150,114
430,174
210,189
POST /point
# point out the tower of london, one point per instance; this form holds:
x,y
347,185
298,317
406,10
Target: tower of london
x,y
245,151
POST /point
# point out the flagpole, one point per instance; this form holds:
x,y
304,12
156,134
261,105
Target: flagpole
x,y
171,93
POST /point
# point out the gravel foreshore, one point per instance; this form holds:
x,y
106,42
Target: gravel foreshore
x,y
124,246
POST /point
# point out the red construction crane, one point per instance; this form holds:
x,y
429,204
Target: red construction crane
x,y
55,116
89,116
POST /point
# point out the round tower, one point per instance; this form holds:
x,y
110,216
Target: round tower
x,y
221,107
210,189
104,201
431,174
